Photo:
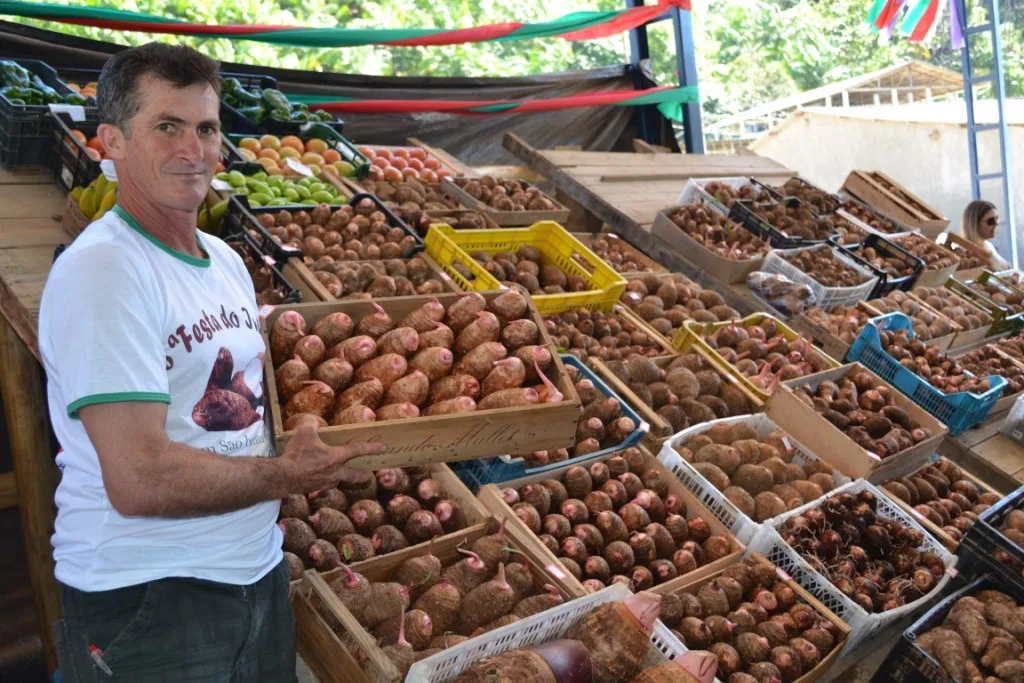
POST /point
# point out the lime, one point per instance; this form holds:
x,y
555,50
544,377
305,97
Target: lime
x,y
322,196
260,197
236,178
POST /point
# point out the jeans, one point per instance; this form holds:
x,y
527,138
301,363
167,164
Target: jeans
x,y
179,629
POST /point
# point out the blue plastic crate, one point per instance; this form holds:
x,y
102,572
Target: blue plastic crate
x,y
959,411
482,471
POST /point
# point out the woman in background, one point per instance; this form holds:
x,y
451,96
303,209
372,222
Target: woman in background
x,y
979,226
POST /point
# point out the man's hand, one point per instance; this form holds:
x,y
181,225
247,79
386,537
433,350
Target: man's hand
x,y
315,466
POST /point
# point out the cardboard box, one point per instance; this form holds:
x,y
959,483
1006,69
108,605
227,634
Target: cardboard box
x,y
729,271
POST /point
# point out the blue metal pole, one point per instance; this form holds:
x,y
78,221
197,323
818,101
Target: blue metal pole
x,y
648,119
686,65
1004,133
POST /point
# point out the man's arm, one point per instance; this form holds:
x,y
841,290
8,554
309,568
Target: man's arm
x,y
145,473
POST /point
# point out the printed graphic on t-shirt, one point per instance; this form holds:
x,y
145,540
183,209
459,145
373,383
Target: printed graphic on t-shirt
x,y
229,403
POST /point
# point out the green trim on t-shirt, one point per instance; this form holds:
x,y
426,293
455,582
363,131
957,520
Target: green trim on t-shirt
x,y
122,397
187,258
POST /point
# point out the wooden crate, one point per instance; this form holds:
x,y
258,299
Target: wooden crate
x,y
73,221
955,243
888,197
438,438
832,345
963,337
442,214
560,214
934,277
490,496
692,586
943,342
722,269
825,440
588,239
322,648
312,290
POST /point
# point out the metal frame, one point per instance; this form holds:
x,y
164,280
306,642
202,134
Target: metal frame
x,y
996,77
648,119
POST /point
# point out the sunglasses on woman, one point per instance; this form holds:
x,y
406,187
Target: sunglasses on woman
x,y
991,222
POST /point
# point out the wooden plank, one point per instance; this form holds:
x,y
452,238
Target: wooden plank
x,y
26,176
32,201
31,232
622,159
8,491
517,172
979,467
644,147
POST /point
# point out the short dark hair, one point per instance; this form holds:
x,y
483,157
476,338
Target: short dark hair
x,y
117,92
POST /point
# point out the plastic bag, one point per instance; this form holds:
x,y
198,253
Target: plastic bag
x,y
786,296
1013,425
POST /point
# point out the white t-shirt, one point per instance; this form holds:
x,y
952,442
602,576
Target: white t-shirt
x,y
125,318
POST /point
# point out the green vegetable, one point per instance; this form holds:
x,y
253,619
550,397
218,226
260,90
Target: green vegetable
x,y
275,99
14,74
257,113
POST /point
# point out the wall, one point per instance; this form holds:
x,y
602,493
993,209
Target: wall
x,y
930,159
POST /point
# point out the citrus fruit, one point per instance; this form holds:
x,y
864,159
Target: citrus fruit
x,y
268,153
271,141
250,144
316,145
293,142
331,156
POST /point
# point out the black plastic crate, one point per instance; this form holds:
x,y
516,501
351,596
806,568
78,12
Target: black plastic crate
x,y
25,129
79,77
886,282
743,213
321,131
291,294
907,663
69,158
828,210
891,225
235,122
984,547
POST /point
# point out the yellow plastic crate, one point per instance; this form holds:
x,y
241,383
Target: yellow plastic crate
x,y
692,334
557,246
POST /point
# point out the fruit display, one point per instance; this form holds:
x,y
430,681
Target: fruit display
x,y
86,90
874,560
602,424
955,307
850,233
944,496
411,199
666,302
969,260
786,296
617,521
273,152
506,195
876,221
616,252
269,290
866,411
931,364
96,198
1012,528
825,268
259,104
264,189
21,87
986,361
758,474
753,622
377,279
434,361
887,260
1009,298
844,322
609,643
527,269
796,220
1012,346
399,507
763,355
934,256
927,323
687,392
460,219
402,164
819,201
717,233
607,336
725,195
425,605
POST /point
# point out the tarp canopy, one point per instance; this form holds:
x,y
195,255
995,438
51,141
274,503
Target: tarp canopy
x,y
475,140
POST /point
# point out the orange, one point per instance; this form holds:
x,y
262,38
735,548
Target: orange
x,y
331,155
293,142
267,163
247,154
380,162
415,163
376,173
330,170
401,152
400,163
275,171
316,145
268,153
428,176
93,154
271,141
312,158
79,135
417,153
385,153
289,153
432,163
392,174
367,151
97,145
443,173
410,173
219,168
251,144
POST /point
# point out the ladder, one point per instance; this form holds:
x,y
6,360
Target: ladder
x,y
1006,239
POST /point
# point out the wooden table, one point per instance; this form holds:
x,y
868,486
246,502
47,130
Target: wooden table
x,y
987,454
29,232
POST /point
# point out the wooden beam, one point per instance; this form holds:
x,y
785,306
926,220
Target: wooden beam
x,y
8,491
21,386
644,147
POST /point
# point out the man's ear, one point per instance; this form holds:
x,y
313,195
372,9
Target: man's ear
x,y
113,140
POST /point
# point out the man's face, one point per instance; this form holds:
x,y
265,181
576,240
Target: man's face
x,y
173,143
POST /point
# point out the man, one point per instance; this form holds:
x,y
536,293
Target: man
x,y
166,546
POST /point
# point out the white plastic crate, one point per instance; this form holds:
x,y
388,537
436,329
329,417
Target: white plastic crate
x,y
694,192
769,543
549,625
742,527
826,297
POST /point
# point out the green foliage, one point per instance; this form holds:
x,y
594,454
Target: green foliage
x,y
749,51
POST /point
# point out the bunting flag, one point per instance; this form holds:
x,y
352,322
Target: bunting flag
x,y
918,22
669,101
574,26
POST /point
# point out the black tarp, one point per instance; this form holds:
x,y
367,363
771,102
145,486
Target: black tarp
x,y
474,139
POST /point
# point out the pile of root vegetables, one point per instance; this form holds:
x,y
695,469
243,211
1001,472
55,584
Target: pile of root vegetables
x,y
526,269
763,354
822,265
931,364
754,623
874,560
410,199
725,195
981,638
602,424
941,494
934,256
687,392
616,521
1012,346
616,253
474,355
850,233
876,221
506,195
927,324
460,219
426,607
666,302
1010,299
818,200
717,233
756,474
1013,528
954,307
866,411
986,361
796,221
350,233
377,279
892,263
268,290
396,509
844,322
608,336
